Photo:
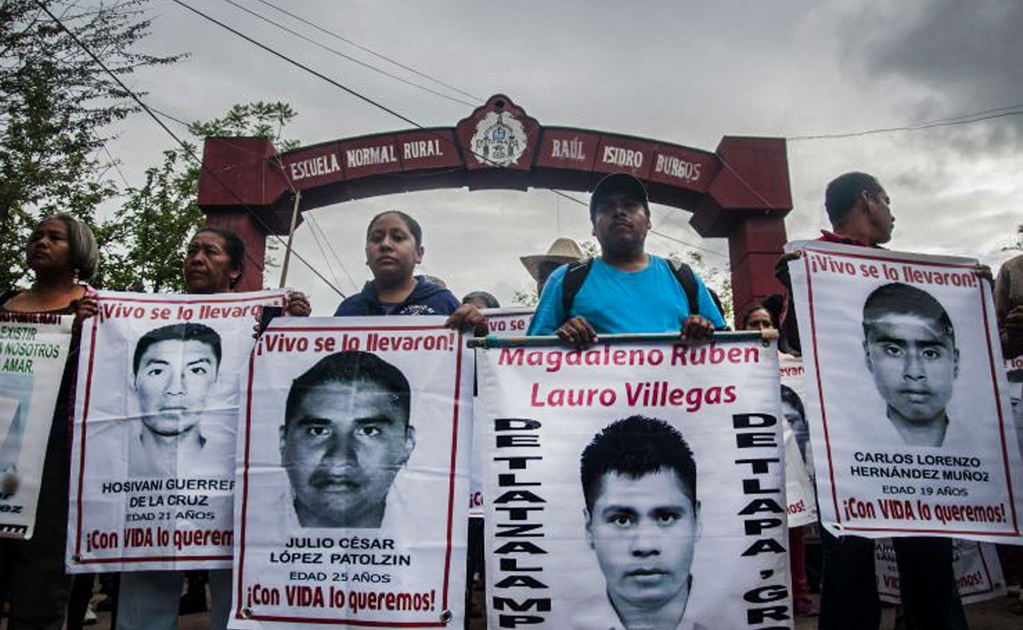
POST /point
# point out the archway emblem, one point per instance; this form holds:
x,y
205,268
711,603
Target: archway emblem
x,y
499,139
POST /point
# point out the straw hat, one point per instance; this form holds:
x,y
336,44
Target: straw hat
x,y
561,251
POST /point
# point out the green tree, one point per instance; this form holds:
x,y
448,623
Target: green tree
x,y
718,279
1017,243
525,298
145,241
55,105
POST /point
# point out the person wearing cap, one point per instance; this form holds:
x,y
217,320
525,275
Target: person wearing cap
x,y
561,252
626,290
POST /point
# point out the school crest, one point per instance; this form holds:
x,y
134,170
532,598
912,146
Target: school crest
x,y
499,139
499,135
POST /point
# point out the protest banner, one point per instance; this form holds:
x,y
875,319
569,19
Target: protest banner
x,y
512,321
503,323
353,468
152,474
799,491
910,427
33,353
1014,375
977,570
592,465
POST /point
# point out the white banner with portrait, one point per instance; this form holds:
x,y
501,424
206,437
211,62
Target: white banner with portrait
x,y
512,321
33,353
352,476
503,323
978,571
911,429
802,500
1014,375
156,409
595,518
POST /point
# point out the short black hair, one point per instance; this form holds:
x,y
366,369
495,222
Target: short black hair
x,y
634,447
184,331
489,301
412,225
791,398
233,244
903,299
775,304
843,192
350,366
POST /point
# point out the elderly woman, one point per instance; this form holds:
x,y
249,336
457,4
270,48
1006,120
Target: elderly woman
x,y
149,600
62,254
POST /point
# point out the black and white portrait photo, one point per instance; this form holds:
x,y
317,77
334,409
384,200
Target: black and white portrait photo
x,y
1016,399
174,371
642,522
15,395
910,349
346,436
795,414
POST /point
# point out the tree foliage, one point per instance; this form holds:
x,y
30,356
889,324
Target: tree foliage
x,y
55,106
143,244
1017,243
147,237
718,279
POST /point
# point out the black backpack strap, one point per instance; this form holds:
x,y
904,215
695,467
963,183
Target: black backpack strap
x,y
687,280
574,278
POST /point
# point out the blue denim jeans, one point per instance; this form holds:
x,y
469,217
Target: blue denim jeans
x,y
148,600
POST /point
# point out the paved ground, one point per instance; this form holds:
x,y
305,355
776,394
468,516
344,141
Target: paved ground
x,y
989,615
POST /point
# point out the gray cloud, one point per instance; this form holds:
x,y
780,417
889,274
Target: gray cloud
x,y
955,58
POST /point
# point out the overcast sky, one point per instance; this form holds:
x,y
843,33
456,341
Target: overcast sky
x,y
677,71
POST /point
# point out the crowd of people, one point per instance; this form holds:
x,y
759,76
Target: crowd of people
x,y
624,289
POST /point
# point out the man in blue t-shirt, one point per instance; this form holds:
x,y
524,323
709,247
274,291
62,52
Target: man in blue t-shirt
x,y
626,289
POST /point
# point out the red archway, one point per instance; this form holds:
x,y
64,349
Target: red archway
x,y
740,191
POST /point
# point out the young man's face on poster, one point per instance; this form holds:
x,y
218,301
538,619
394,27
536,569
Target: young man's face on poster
x,y
174,380
914,364
342,448
643,531
800,429
1016,398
